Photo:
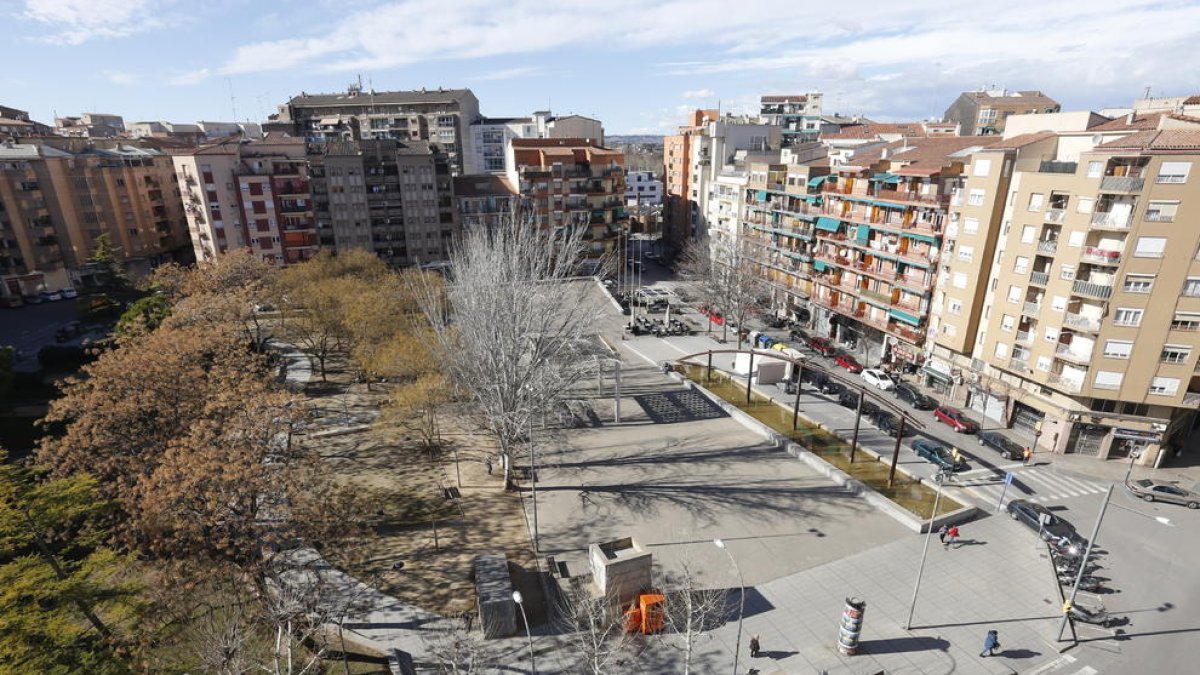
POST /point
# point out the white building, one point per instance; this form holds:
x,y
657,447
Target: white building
x,y
643,188
714,150
725,201
490,135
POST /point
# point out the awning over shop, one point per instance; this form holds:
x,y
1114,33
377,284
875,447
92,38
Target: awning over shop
x,y
937,375
819,265
828,224
814,182
905,317
887,178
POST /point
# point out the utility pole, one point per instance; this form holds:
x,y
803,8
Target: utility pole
x,y
1083,565
939,478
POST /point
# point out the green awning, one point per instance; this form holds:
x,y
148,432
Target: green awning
x,y
828,224
819,265
937,375
905,317
920,237
887,178
814,182
762,195
863,234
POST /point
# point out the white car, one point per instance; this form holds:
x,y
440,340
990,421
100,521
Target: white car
x,y
878,378
69,292
52,296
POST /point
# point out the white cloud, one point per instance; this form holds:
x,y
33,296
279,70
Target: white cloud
x,y
189,78
119,77
74,22
512,73
699,93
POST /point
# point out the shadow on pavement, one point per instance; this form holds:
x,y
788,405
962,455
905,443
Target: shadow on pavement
x,y
904,644
1018,654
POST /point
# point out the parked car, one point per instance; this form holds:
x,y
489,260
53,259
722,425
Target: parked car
x,y
69,292
51,296
798,335
1154,491
68,331
822,346
11,301
888,423
848,362
1053,528
848,399
877,378
33,299
1007,447
956,419
908,393
938,454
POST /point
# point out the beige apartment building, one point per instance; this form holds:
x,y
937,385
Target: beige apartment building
x,y
1068,304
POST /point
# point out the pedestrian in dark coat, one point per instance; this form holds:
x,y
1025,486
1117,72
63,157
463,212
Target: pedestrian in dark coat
x,y
942,534
990,644
487,464
754,646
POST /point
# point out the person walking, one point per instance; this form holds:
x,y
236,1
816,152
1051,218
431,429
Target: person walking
x,y
951,537
942,534
487,464
1026,455
754,646
990,644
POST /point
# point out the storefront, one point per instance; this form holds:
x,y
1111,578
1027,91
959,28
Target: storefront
x,y
991,405
1132,442
937,376
1026,418
1087,439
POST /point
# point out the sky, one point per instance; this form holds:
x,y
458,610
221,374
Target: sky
x,y
638,65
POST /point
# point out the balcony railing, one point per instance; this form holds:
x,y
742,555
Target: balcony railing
x,y
1031,308
1110,220
1065,383
1092,289
1080,322
1039,278
1018,365
1100,256
1064,351
1191,398
1055,215
1022,336
1048,166
1048,246
1122,184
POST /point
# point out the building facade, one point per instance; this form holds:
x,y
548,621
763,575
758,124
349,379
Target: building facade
x,y
984,112
484,201
643,188
90,125
798,116
490,136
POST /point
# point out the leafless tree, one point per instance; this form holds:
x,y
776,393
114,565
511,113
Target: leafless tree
x,y
514,328
726,275
691,611
595,628
456,649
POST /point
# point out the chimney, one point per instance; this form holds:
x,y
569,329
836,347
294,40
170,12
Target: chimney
x,y
886,153
1130,117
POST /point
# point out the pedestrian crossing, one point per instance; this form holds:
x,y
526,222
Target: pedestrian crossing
x,y
1062,665
1042,484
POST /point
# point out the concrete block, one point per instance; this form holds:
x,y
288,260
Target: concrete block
x,y
493,586
621,568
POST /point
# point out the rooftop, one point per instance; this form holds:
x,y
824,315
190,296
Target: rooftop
x,y
794,98
1130,122
1005,96
381,97
483,186
1151,141
1019,141
923,156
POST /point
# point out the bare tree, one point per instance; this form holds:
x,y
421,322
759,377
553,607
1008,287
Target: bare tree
x,y
514,330
726,275
595,628
456,649
692,611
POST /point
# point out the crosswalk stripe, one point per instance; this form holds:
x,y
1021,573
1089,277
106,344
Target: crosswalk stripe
x,y
1086,670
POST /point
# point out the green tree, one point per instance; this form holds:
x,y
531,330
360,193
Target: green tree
x,y
105,261
61,592
144,315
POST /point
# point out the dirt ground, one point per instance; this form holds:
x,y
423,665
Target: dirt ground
x,y
388,460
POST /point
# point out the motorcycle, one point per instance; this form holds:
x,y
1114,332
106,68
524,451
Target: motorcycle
x,y
1090,584
1097,617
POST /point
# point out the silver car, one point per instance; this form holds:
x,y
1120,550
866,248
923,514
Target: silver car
x,y
877,378
1153,491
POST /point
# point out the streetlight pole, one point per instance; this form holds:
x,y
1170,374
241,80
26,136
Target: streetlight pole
x,y
939,478
1083,564
525,618
1133,455
533,484
737,647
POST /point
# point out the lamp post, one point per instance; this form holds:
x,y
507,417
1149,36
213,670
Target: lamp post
x,y
525,618
1133,455
533,484
737,647
938,478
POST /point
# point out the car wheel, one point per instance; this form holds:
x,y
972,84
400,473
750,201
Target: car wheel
x,y
1012,514
1148,498
980,440
1193,505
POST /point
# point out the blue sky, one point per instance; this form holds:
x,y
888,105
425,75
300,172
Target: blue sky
x,y
638,65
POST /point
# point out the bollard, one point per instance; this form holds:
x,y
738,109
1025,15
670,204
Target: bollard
x,y
852,619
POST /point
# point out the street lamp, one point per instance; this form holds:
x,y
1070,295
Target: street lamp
x,y
939,478
524,617
737,647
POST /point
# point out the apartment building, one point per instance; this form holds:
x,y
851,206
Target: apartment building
x,y
249,194
984,112
798,116
90,125
194,133
643,188
677,175
15,123
57,196
484,201
440,116
844,141
490,136
394,198
566,181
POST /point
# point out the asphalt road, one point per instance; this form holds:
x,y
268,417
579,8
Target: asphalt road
x,y
32,327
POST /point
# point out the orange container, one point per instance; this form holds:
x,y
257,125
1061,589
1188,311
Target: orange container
x,y
633,619
651,605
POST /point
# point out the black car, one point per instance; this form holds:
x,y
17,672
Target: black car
x,y
888,423
909,394
847,399
1007,447
1053,528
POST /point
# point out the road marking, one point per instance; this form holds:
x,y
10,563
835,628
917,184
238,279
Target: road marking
x,y
1057,664
1086,670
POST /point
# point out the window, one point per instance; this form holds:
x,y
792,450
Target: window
x,y
1191,287
966,253
1051,333
1185,321
1014,293
1161,212
1035,201
1138,283
1043,363
1021,265
975,198
970,225
1126,316
1107,379
1007,322
984,166
1084,205
949,330
1139,409
1173,172
960,280
1103,405
1095,169
1164,386
1076,239
1058,303
1175,354
1067,272
1001,350
1028,233
1118,349
1150,247
954,306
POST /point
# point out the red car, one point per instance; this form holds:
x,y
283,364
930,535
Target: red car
x,y
822,346
956,419
848,362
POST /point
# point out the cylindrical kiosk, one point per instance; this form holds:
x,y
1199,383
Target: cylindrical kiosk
x,y
852,619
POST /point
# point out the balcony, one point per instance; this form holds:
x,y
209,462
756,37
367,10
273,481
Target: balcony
x,y
1018,365
1064,352
1122,184
1080,322
1031,308
1191,398
1055,215
1048,246
1100,256
1092,289
1066,384
1039,278
1022,336
1049,166
1111,220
